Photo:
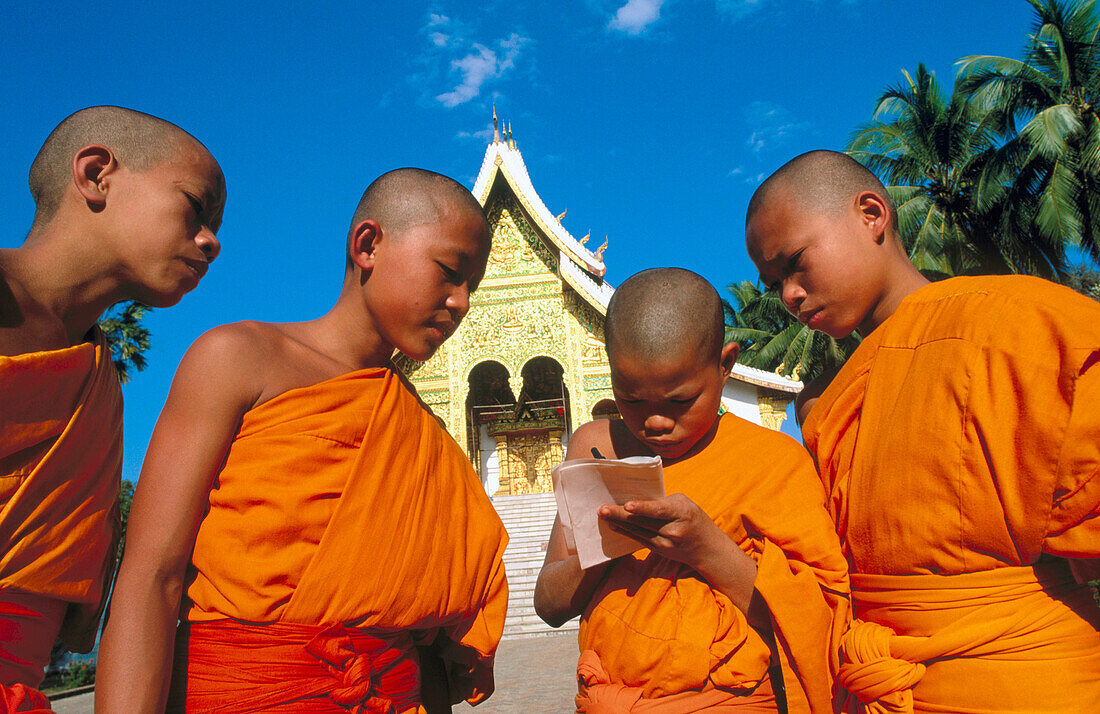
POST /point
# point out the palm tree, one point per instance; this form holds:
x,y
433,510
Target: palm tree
x,y
1054,91
128,337
935,154
773,340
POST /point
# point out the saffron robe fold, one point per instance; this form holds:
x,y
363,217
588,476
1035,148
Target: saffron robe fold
x,y
345,503
60,470
656,625
960,446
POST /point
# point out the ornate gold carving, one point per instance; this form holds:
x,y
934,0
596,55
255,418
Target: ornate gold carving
x,y
773,410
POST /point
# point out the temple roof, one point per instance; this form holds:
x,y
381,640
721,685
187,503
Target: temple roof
x,y
580,268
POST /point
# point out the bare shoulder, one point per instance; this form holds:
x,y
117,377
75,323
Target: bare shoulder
x,y
596,435
231,359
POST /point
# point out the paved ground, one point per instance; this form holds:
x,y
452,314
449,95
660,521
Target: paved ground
x,y
534,675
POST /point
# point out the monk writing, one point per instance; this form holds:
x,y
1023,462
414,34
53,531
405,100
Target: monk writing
x,y
960,447
126,207
332,546
740,590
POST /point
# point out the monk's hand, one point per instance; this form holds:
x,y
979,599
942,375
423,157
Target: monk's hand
x,y
674,527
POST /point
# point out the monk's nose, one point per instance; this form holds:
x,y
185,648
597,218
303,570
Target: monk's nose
x,y
459,302
658,423
208,244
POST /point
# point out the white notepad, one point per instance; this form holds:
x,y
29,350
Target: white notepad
x,y
583,485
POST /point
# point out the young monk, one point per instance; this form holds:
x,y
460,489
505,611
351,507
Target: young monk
x,y
319,520
740,588
960,446
126,207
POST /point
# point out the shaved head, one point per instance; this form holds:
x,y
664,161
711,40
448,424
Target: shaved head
x,y
407,197
138,141
665,313
820,181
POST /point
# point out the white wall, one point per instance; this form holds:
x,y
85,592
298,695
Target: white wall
x,y
739,399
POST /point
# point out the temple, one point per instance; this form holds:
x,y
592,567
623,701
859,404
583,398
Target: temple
x,y
527,365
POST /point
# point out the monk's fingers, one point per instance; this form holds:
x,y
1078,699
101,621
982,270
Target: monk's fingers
x,y
675,507
619,514
645,536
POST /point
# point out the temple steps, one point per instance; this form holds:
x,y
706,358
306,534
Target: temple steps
x,y
528,520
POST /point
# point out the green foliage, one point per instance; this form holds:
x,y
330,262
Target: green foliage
x,y
773,340
1084,280
125,500
938,155
1052,95
128,337
78,674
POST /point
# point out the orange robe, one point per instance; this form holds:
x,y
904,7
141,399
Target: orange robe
x,y
960,446
60,468
656,637
345,527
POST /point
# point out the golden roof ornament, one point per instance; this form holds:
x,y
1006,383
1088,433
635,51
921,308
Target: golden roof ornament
x,y
496,130
601,249
561,215
586,236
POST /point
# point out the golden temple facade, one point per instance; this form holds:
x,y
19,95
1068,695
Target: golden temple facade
x,y
527,365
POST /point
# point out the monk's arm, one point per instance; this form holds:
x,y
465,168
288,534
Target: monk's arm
x,y
214,385
563,589
676,528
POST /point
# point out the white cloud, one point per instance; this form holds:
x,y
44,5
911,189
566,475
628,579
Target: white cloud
x,y
439,39
435,19
770,124
484,135
634,17
480,66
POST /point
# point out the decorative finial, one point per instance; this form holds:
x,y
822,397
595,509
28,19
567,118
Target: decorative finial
x,y
586,236
511,141
561,215
601,249
496,130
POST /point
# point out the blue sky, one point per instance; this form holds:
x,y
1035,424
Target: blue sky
x,y
650,121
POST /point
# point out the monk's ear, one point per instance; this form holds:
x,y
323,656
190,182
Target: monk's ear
x,y
874,211
93,169
363,243
729,357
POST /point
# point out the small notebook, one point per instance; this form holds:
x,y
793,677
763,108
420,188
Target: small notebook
x,y
583,485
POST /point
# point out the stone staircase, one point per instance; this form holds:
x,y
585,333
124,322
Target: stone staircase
x,y
528,520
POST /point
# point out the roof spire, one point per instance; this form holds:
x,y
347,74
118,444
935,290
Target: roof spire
x,y
601,249
511,141
496,130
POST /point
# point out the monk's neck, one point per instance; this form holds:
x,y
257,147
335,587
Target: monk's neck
x,y
350,336
67,278
907,281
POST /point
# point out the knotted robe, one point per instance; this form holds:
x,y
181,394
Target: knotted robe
x,y
60,469
960,446
345,527
657,638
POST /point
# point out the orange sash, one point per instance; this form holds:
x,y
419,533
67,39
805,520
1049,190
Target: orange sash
x,y
60,465
293,668
345,503
975,636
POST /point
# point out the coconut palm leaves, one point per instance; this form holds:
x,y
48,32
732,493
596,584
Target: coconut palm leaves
x,y
773,340
939,156
1054,92
128,338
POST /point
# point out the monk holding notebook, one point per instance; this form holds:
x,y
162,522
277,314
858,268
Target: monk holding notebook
x,y
960,446
126,207
333,548
737,594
